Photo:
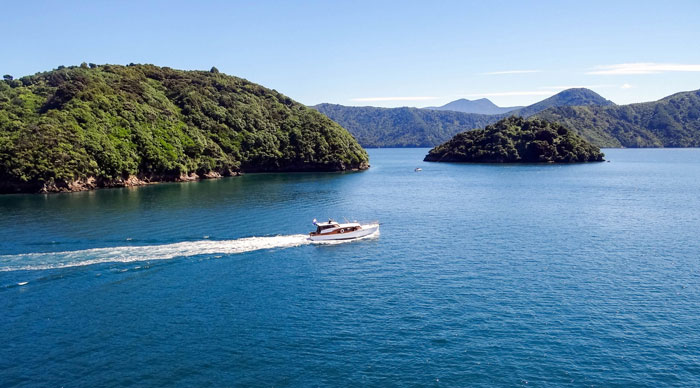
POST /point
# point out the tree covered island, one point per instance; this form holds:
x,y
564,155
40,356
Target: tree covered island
x,y
517,140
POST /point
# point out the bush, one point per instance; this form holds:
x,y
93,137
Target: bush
x,y
113,121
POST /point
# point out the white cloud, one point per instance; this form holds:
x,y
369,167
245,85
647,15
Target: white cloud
x,y
511,72
643,68
371,99
626,86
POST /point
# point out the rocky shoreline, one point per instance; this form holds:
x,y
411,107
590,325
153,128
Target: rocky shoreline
x,y
94,183
80,128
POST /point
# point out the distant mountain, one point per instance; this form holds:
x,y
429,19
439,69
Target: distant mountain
x,y
673,121
481,106
568,97
413,127
402,127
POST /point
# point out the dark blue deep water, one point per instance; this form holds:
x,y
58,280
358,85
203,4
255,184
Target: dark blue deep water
x,y
483,275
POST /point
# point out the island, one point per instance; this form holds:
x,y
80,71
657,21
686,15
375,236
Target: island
x,y
89,126
517,140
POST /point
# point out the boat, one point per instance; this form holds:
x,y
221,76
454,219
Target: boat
x,y
332,230
418,169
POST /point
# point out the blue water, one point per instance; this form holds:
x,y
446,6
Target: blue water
x,y
483,275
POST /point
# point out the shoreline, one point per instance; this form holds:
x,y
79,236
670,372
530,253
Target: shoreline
x,y
94,183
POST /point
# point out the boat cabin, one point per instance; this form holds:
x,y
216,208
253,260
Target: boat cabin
x,y
326,227
332,227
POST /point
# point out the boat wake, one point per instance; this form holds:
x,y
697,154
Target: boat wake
x,y
128,254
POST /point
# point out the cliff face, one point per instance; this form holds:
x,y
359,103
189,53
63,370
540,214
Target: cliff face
x,y
101,126
517,140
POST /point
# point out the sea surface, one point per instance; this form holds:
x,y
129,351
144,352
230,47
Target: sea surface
x,y
482,275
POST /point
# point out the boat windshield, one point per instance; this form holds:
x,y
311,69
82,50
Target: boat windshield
x,y
324,227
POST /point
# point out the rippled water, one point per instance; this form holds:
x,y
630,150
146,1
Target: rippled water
x,y
483,275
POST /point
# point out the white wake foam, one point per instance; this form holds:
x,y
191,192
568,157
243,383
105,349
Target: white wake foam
x,y
127,254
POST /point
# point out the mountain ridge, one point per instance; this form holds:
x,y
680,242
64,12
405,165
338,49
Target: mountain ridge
x,y
567,97
480,106
420,127
401,127
672,121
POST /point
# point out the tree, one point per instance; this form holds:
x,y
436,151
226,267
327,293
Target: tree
x,y
214,70
7,77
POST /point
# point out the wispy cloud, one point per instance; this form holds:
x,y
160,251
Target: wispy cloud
x,y
511,72
413,98
643,68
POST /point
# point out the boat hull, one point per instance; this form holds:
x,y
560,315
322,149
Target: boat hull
x,y
365,231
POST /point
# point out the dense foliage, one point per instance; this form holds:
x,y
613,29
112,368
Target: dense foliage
x,y
673,121
402,127
568,97
413,127
517,140
111,121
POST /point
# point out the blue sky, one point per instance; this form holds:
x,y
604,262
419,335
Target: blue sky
x,y
379,53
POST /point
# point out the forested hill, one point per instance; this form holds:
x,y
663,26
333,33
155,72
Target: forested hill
x,y
413,127
401,127
83,127
568,97
673,121
517,140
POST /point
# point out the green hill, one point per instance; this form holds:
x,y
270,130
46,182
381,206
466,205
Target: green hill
x,y
568,97
517,140
402,127
673,121
414,127
90,126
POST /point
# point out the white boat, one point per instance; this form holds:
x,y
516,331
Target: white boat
x,y
332,230
418,169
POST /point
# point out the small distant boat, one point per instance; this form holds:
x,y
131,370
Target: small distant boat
x,y
418,169
332,230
